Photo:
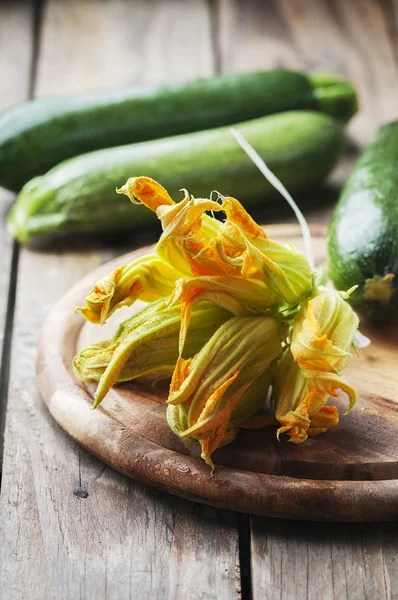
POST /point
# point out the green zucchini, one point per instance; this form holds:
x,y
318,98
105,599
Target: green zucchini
x,y
363,235
78,196
39,134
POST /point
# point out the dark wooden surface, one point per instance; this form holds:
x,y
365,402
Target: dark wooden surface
x,y
72,527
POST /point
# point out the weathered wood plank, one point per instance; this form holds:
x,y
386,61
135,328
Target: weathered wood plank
x,y
72,527
316,560
122,45
16,46
15,68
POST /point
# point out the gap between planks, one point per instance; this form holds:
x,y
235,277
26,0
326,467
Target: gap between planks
x,y
7,343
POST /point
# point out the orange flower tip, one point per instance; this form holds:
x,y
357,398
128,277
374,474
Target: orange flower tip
x,y
89,315
329,410
185,191
122,190
147,191
209,462
128,190
282,430
313,431
171,399
326,418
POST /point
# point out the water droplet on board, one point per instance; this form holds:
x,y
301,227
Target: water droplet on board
x,y
166,471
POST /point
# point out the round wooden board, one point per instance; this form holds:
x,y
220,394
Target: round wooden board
x,y
350,474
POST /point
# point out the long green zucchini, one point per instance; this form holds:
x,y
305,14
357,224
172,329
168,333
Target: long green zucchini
x,y
363,236
39,134
78,196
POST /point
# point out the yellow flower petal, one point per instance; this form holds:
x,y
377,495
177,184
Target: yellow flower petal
x,y
210,416
238,215
187,230
146,191
219,437
147,278
210,386
323,332
252,400
239,296
309,371
147,344
326,417
330,383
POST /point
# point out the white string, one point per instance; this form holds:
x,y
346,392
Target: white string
x,y
278,185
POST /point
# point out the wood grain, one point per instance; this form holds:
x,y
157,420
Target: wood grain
x,y
71,526
295,561
15,51
15,69
350,474
123,43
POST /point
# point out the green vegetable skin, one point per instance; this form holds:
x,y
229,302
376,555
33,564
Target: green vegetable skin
x,y
363,236
78,196
39,134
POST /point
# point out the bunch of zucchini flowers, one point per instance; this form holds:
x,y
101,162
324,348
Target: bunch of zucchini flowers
x,y
230,316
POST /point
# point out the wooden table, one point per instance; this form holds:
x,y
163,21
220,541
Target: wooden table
x,y
72,527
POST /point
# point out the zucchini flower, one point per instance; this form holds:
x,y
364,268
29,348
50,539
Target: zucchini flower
x,y
147,278
152,277
206,389
186,228
198,245
222,299
310,371
193,244
239,296
146,344
243,244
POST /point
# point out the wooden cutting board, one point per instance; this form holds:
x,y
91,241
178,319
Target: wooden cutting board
x,y
350,474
